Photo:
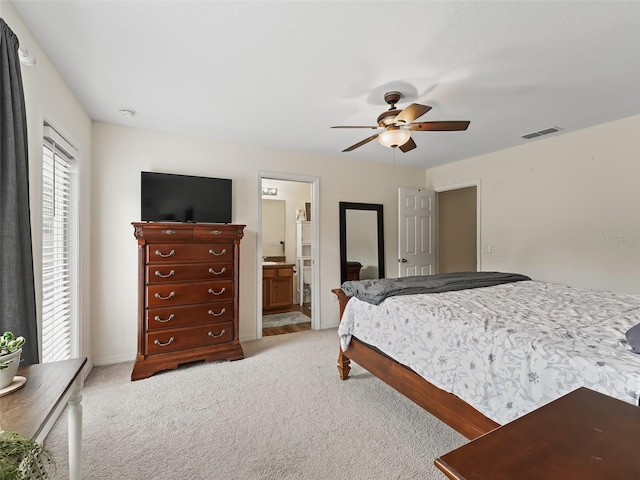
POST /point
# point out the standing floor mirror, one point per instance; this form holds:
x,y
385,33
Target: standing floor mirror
x,y
361,241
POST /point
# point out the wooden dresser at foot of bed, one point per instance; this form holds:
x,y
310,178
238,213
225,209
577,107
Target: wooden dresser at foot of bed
x,y
187,294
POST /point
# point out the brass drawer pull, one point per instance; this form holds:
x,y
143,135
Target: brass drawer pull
x,y
211,270
211,334
217,293
213,252
211,312
168,231
216,232
172,294
164,320
158,342
162,275
165,255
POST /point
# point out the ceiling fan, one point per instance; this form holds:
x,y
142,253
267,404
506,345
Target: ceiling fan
x,y
397,125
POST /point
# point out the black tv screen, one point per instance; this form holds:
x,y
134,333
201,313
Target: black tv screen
x,y
167,197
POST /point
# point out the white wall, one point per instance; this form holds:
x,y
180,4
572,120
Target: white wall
x,y
564,209
47,97
120,153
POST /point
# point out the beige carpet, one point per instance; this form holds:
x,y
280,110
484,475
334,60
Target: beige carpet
x,y
281,413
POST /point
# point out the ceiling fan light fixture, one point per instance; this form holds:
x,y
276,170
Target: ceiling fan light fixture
x,y
398,125
394,137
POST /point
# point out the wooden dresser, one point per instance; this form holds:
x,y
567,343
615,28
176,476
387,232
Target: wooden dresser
x,y
187,294
353,270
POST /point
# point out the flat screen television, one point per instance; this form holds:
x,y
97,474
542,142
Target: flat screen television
x,y
167,197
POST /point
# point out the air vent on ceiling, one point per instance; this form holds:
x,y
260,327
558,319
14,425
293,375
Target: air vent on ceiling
x,y
546,131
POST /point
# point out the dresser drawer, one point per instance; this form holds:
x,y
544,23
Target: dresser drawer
x,y
197,292
183,316
195,252
216,232
165,233
171,273
165,341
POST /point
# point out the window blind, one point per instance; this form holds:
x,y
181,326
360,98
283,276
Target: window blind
x,y
58,247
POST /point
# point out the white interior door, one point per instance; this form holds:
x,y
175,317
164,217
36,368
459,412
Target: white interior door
x,y
416,230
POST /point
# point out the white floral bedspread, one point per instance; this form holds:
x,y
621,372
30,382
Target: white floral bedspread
x,y
508,349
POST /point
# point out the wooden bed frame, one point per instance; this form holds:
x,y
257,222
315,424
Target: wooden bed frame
x,y
449,408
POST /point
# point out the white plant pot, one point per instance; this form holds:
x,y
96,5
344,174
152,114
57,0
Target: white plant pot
x,y
7,374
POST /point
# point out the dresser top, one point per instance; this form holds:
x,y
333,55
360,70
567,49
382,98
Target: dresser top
x,y
169,231
185,224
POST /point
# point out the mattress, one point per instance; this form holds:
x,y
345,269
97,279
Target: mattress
x,y
507,349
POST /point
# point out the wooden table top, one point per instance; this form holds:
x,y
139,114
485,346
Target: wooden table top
x,y
29,409
584,434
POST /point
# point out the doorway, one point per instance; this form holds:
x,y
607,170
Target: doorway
x,y
458,228
287,248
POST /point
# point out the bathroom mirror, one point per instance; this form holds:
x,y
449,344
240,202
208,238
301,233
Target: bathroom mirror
x,y
361,241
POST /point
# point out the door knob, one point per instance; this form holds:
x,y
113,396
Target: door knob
x,y
402,260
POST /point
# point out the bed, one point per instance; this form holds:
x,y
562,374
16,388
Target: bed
x,y
480,356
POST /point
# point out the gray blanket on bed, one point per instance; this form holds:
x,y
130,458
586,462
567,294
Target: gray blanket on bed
x,y
375,291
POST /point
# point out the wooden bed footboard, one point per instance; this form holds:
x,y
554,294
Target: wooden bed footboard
x,y
447,407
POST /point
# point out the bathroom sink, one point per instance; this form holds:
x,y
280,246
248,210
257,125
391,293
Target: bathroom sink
x,y
270,263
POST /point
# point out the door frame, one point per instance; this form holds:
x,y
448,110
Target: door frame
x,y
315,244
457,186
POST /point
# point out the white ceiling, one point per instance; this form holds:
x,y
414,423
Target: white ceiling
x,y
279,74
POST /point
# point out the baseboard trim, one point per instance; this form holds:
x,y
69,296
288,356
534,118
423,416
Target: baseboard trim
x,y
114,359
327,326
248,338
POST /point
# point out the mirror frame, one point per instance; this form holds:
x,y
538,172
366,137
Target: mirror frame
x,y
344,206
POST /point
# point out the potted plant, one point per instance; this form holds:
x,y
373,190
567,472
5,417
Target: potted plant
x,y
10,350
23,458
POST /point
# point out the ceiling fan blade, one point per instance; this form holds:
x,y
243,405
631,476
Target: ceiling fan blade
x,y
363,142
412,112
445,126
356,126
410,145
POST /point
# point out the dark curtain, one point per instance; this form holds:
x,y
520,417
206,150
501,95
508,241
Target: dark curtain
x,y
17,291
